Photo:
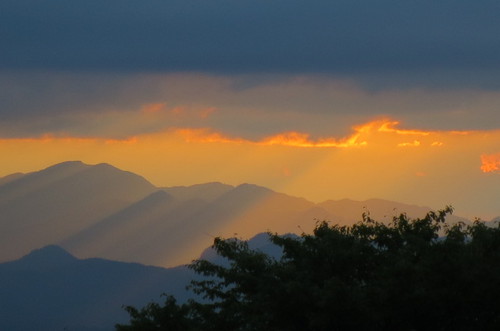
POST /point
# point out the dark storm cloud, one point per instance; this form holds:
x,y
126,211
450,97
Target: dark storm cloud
x,y
346,36
114,104
65,63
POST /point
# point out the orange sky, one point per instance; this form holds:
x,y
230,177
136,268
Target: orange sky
x,y
381,159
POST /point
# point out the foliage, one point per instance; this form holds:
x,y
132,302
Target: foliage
x,y
369,276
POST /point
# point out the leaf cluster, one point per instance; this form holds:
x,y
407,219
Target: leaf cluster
x,y
369,276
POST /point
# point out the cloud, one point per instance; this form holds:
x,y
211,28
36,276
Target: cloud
x,y
375,133
251,106
490,163
294,139
415,143
390,126
258,36
153,108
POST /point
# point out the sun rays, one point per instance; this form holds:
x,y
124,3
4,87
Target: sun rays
x,y
376,158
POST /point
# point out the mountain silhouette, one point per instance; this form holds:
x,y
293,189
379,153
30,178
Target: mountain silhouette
x,y
46,206
102,211
163,230
49,289
208,191
46,258
10,178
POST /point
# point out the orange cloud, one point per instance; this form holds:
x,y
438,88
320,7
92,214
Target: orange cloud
x,y
490,163
131,140
295,139
362,135
207,136
389,126
415,143
152,108
298,139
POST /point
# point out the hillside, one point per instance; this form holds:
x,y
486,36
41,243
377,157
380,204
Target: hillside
x,y
49,289
46,206
102,211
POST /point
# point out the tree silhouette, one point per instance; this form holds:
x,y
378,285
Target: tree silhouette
x,y
410,274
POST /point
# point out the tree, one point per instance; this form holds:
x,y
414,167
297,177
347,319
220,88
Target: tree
x,y
411,274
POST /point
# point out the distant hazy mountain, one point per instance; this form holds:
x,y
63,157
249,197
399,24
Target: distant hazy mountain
x,y
494,221
51,290
207,192
164,230
101,211
10,178
45,207
346,210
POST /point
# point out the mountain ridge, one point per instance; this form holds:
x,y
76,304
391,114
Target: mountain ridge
x,y
88,294
42,207
79,294
102,211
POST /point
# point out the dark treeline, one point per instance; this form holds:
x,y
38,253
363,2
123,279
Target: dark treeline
x,y
410,274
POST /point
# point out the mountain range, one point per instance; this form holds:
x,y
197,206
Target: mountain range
x,y
101,211
78,241
50,289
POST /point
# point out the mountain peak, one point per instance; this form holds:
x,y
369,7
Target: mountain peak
x,y
50,251
253,188
46,258
68,165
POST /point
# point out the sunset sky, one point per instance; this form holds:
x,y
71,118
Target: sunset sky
x,y
325,100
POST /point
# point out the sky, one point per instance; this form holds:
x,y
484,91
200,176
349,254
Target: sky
x,y
320,99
